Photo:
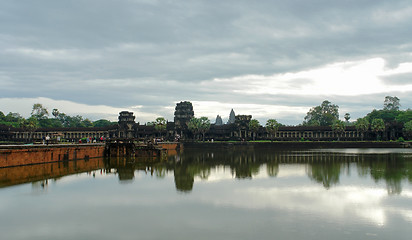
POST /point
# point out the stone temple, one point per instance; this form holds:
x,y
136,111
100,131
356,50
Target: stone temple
x,y
237,128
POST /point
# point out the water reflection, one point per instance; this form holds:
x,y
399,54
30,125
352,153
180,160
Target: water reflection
x,y
227,193
325,167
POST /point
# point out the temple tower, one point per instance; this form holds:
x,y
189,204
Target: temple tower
x,y
183,113
126,122
232,117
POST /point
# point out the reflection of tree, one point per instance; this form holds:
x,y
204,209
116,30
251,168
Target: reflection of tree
x,y
325,173
246,170
183,179
125,173
204,173
244,163
393,186
272,169
160,171
390,168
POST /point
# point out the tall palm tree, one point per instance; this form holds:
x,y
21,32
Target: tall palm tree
x,y
254,127
272,127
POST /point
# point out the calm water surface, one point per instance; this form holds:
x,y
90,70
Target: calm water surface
x,y
214,194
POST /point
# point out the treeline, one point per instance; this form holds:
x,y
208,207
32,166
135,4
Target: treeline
x,y
327,114
39,118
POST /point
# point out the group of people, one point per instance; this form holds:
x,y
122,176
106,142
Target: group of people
x,y
47,140
92,140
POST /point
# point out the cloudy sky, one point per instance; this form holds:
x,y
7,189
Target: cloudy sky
x,y
267,58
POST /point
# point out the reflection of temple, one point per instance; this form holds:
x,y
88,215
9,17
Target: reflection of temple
x,y
237,128
325,168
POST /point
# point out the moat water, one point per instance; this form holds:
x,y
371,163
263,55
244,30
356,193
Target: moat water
x,y
234,193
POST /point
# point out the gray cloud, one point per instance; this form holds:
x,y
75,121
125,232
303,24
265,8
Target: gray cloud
x,y
152,53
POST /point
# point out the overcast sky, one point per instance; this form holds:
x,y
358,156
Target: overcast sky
x,y
268,58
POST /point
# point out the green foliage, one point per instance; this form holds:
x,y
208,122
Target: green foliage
x,y
362,124
160,124
387,116
204,126
103,123
39,112
404,116
254,126
11,119
272,126
323,115
50,123
87,123
193,125
378,125
30,124
401,139
199,125
407,128
74,121
339,127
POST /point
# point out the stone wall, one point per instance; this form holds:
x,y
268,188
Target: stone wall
x,y
32,173
36,154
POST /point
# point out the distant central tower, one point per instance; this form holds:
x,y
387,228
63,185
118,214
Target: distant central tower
x,y
232,117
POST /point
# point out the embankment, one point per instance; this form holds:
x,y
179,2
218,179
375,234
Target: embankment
x,y
21,155
35,154
297,145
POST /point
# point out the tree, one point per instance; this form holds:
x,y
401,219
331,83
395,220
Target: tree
x,y
378,126
272,127
254,127
193,126
391,103
204,126
199,125
31,124
39,112
12,119
69,121
404,116
407,128
362,126
55,112
160,125
102,123
324,115
87,123
339,127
